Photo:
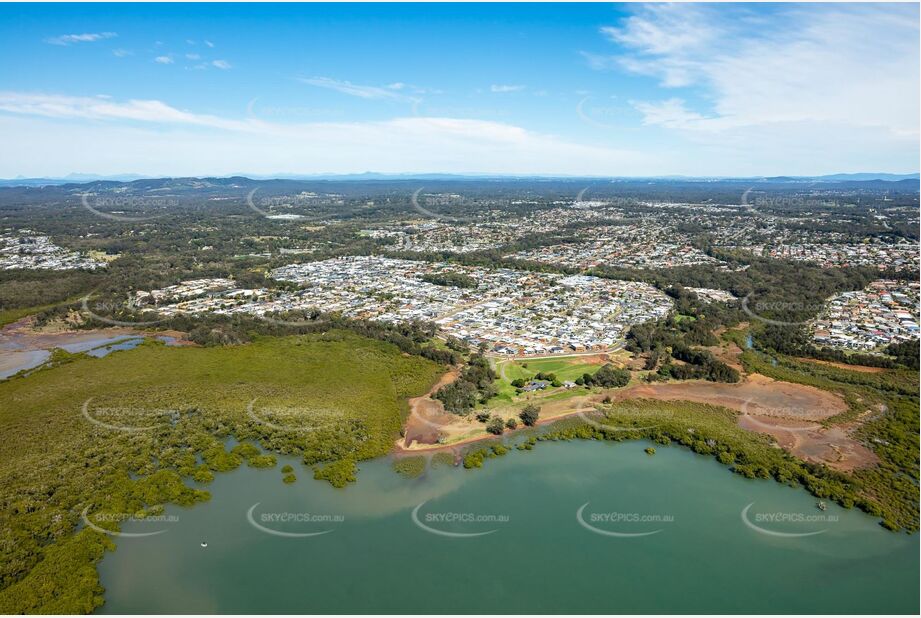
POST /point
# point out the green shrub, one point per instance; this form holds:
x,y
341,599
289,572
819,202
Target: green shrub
x,y
410,467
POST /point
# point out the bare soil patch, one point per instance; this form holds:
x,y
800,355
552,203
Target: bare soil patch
x,y
833,446
598,359
756,394
427,416
728,353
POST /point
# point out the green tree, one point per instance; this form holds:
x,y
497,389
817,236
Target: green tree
x,y
495,426
529,415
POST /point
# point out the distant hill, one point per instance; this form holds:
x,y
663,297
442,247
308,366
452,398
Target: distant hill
x,y
190,182
861,177
21,181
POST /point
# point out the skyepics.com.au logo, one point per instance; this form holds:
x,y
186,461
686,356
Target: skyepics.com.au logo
x,y
457,524
103,522
749,217
259,109
129,419
293,524
749,408
299,419
622,524
758,310
118,312
594,111
586,201
788,524
127,209
298,208
758,203
427,204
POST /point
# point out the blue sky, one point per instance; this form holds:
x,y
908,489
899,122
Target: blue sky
x,y
593,89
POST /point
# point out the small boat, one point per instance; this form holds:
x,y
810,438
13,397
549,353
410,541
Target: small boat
x,y
203,544
821,505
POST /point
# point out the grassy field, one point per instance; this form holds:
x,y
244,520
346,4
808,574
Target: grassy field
x,y
566,368
334,399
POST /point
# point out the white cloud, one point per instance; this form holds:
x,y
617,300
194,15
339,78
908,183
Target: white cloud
x,y
209,43
193,57
505,88
356,90
102,108
671,113
133,135
122,53
833,65
159,139
89,37
599,62
665,29
164,59
221,64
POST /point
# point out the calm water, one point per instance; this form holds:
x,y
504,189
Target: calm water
x,y
700,557
121,344
16,356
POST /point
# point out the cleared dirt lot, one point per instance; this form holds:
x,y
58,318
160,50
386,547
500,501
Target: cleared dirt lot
x,y
756,394
832,446
427,419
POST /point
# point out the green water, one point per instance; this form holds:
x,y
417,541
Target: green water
x,y
376,560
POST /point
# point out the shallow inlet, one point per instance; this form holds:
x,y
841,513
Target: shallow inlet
x,y
376,558
16,357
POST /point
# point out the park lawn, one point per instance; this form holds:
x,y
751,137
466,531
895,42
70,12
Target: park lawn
x,y
334,399
565,368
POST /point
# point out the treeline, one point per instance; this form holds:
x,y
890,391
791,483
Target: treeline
x,y
540,376
209,329
20,289
473,386
449,279
699,365
691,324
776,289
411,337
608,376
906,352
490,258
795,340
